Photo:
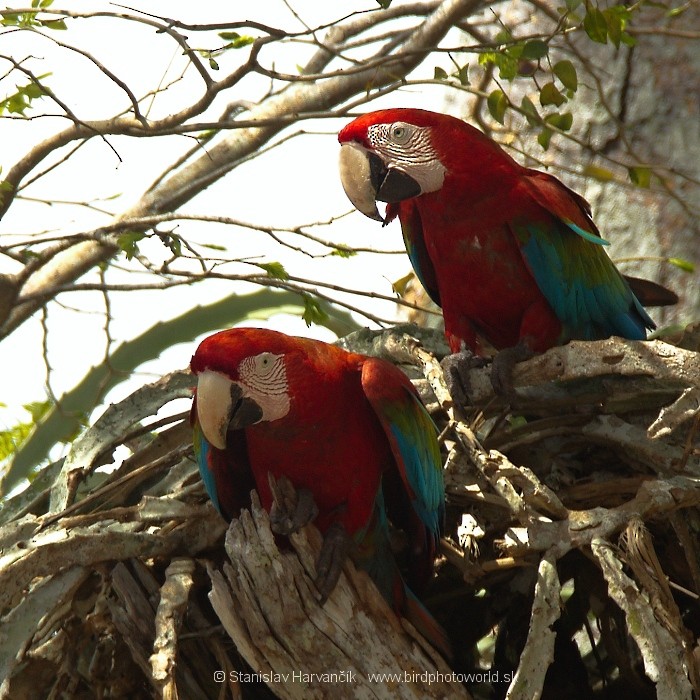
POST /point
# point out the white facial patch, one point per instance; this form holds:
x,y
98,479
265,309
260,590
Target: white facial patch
x,y
409,148
263,378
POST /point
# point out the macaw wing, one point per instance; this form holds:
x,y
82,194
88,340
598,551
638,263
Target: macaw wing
x,y
412,436
412,230
563,250
226,474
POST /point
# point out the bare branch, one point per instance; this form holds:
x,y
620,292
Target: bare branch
x,y
297,98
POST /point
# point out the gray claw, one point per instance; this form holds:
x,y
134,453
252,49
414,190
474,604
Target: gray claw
x,y
456,369
502,368
331,559
291,510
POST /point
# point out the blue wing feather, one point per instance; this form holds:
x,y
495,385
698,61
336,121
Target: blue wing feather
x,y
564,252
202,453
586,291
412,436
412,231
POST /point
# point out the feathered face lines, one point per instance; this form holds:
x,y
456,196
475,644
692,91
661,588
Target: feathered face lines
x,y
260,393
388,162
409,148
264,373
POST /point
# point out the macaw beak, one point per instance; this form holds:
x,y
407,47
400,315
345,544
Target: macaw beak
x,y
367,180
222,406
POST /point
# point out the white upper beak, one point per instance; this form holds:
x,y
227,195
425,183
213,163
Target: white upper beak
x,y
214,406
355,178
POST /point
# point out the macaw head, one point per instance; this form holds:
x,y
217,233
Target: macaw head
x,y
241,380
397,154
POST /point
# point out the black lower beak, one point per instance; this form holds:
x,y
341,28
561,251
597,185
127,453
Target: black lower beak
x,y
244,411
391,185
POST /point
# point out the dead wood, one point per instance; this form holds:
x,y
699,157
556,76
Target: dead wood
x,y
571,559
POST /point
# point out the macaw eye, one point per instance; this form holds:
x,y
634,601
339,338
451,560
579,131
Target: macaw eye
x,y
265,363
400,133
261,367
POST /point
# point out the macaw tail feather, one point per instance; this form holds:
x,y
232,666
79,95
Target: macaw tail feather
x,y
372,553
417,614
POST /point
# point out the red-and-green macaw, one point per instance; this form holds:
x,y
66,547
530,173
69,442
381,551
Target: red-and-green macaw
x,y
348,431
510,254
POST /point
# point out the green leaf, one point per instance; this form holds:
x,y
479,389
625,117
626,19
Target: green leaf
x,y
54,24
236,40
640,175
384,4
682,264
676,11
565,71
487,57
463,74
343,252
595,25
562,122
530,111
21,100
602,174
275,270
13,438
213,64
206,135
571,5
504,36
128,240
506,63
32,91
440,73
514,50
401,284
213,246
28,19
174,242
544,137
313,312
507,66
550,95
37,409
534,50
614,22
497,104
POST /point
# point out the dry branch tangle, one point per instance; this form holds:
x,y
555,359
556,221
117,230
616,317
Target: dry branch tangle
x,y
547,526
266,600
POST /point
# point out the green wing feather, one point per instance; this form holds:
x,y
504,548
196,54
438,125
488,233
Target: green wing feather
x,y
412,436
563,251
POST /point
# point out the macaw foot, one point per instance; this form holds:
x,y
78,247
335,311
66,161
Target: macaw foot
x,y
502,368
291,509
456,369
331,559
